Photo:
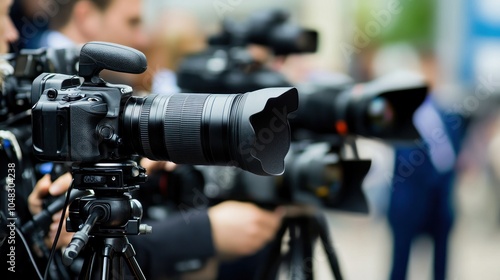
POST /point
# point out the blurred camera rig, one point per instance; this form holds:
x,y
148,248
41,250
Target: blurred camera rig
x,y
227,66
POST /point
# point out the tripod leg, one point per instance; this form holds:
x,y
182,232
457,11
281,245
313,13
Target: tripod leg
x,y
107,263
97,264
302,236
324,235
112,265
107,258
90,264
129,253
270,269
308,236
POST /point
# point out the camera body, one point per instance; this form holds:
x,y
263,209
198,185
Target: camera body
x,y
76,118
77,122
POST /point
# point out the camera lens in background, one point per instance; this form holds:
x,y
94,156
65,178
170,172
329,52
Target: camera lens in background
x,y
320,175
246,130
382,108
380,115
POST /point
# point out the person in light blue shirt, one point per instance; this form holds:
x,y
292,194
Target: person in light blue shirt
x,y
422,187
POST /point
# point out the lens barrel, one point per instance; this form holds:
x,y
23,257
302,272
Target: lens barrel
x,y
249,130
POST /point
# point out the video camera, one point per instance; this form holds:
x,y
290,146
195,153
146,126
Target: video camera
x,y
271,28
382,108
16,76
85,120
323,167
226,70
227,66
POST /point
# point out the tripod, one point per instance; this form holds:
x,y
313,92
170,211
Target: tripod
x,y
104,219
303,232
106,259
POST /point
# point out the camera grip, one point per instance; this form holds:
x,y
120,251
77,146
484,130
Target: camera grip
x,y
97,56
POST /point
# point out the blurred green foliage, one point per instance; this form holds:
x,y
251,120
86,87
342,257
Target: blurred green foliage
x,y
415,23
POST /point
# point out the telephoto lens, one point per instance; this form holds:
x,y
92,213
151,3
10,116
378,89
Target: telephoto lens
x,y
249,130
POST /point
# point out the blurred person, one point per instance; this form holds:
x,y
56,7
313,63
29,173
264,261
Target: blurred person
x,y
77,22
8,32
174,36
81,21
8,36
421,197
424,173
31,18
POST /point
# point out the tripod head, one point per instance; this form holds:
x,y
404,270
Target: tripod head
x,y
119,214
110,212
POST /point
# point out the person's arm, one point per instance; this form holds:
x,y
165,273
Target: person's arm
x,y
241,229
187,240
181,243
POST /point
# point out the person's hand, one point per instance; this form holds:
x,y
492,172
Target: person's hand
x,y
241,229
151,165
35,201
44,187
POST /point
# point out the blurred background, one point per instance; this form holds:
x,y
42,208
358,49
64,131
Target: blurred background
x,y
455,45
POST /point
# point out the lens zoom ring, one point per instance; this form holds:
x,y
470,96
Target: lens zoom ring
x,y
183,138
144,128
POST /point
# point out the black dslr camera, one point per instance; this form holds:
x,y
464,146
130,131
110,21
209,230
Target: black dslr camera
x,y
86,120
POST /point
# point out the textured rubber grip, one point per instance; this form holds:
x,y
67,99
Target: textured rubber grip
x,y
182,128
